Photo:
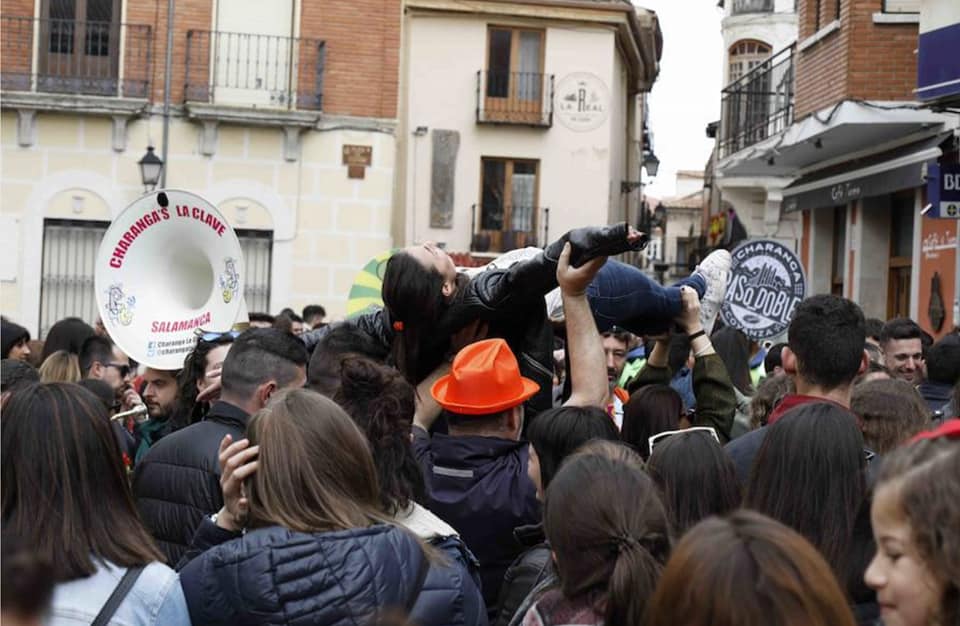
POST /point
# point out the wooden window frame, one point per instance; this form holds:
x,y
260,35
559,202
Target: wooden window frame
x,y
497,237
513,108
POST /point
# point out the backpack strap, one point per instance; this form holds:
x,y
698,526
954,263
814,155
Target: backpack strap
x,y
418,585
119,593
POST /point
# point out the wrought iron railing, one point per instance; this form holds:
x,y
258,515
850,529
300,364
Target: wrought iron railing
x,y
758,105
751,6
248,69
504,228
74,57
524,98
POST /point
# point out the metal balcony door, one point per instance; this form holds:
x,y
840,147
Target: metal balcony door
x,y
254,55
66,275
79,46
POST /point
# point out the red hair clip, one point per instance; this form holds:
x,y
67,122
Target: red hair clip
x,y
398,326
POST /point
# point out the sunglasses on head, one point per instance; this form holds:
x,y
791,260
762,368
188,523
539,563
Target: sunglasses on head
x,y
209,336
669,433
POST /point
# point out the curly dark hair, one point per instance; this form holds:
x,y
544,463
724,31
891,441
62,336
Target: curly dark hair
x,y
382,403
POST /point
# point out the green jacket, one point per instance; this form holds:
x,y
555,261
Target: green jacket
x,y
716,400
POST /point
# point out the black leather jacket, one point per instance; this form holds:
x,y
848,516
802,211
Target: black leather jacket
x,y
511,302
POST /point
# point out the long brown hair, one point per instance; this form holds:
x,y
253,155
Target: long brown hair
x,y
608,530
60,367
315,470
926,476
747,570
65,492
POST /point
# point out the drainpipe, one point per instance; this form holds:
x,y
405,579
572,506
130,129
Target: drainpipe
x,y
168,62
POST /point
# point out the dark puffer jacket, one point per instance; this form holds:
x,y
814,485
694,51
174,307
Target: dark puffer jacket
x,y
178,481
277,576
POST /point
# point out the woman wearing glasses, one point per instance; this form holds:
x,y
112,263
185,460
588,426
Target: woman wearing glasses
x,y
201,370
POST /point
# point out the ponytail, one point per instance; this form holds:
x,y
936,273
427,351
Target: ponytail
x,y
635,573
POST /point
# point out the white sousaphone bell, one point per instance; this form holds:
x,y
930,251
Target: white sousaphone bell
x,y
169,264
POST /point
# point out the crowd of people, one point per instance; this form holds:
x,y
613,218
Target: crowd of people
x,y
552,440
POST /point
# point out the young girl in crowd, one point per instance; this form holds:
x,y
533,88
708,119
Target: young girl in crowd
x,y
892,412
66,498
916,523
695,476
610,537
746,570
427,301
318,547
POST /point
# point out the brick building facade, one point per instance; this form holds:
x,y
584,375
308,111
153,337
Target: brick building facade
x,y
264,97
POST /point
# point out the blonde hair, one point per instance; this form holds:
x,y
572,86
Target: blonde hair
x,y
60,367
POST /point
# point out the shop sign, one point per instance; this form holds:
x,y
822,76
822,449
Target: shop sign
x,y
766,284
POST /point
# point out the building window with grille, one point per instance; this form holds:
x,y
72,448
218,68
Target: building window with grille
x,y
80,52
257,247
67,269
508,202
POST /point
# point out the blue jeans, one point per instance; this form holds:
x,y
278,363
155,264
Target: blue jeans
x,y
621,295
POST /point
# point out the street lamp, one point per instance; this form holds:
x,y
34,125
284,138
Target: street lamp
x,y
150,167
651,163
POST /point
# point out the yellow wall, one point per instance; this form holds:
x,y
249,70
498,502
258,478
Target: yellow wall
x,y
325,225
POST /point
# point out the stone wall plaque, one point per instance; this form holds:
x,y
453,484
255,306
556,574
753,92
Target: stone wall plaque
x,y
446,144
357,159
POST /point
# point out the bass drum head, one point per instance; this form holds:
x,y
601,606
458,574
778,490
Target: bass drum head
x,y
169,264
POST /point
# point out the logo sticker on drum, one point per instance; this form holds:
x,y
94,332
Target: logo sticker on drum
x,y
766,285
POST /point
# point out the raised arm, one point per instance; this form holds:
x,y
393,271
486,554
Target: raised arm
x,y
588,369
712,387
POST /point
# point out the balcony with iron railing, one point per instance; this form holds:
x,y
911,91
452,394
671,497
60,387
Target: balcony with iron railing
x,y
71,57
520,98
758,105
502,228
255,71
741,7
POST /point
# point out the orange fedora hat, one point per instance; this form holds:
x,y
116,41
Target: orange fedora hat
x,y
485,378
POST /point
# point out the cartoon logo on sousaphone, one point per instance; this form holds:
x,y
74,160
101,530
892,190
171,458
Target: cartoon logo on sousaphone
x,y
119,306
230,279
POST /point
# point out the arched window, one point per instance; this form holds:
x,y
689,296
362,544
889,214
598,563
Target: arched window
x,y
745,55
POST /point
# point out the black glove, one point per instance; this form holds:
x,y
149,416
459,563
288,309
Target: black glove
x,y
594,241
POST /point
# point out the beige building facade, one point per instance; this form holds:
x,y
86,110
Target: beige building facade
x,y
519,120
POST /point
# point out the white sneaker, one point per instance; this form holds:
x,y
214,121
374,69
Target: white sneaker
x,y
554,300
716,270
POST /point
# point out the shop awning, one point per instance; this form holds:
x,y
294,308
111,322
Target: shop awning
x,y
880,174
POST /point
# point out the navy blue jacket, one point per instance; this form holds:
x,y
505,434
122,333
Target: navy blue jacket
x,y
277,576
479,485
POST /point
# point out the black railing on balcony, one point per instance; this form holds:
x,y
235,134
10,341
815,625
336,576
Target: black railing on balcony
x,y
751,6
504,228
247,69
757,105
74,57
524,98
